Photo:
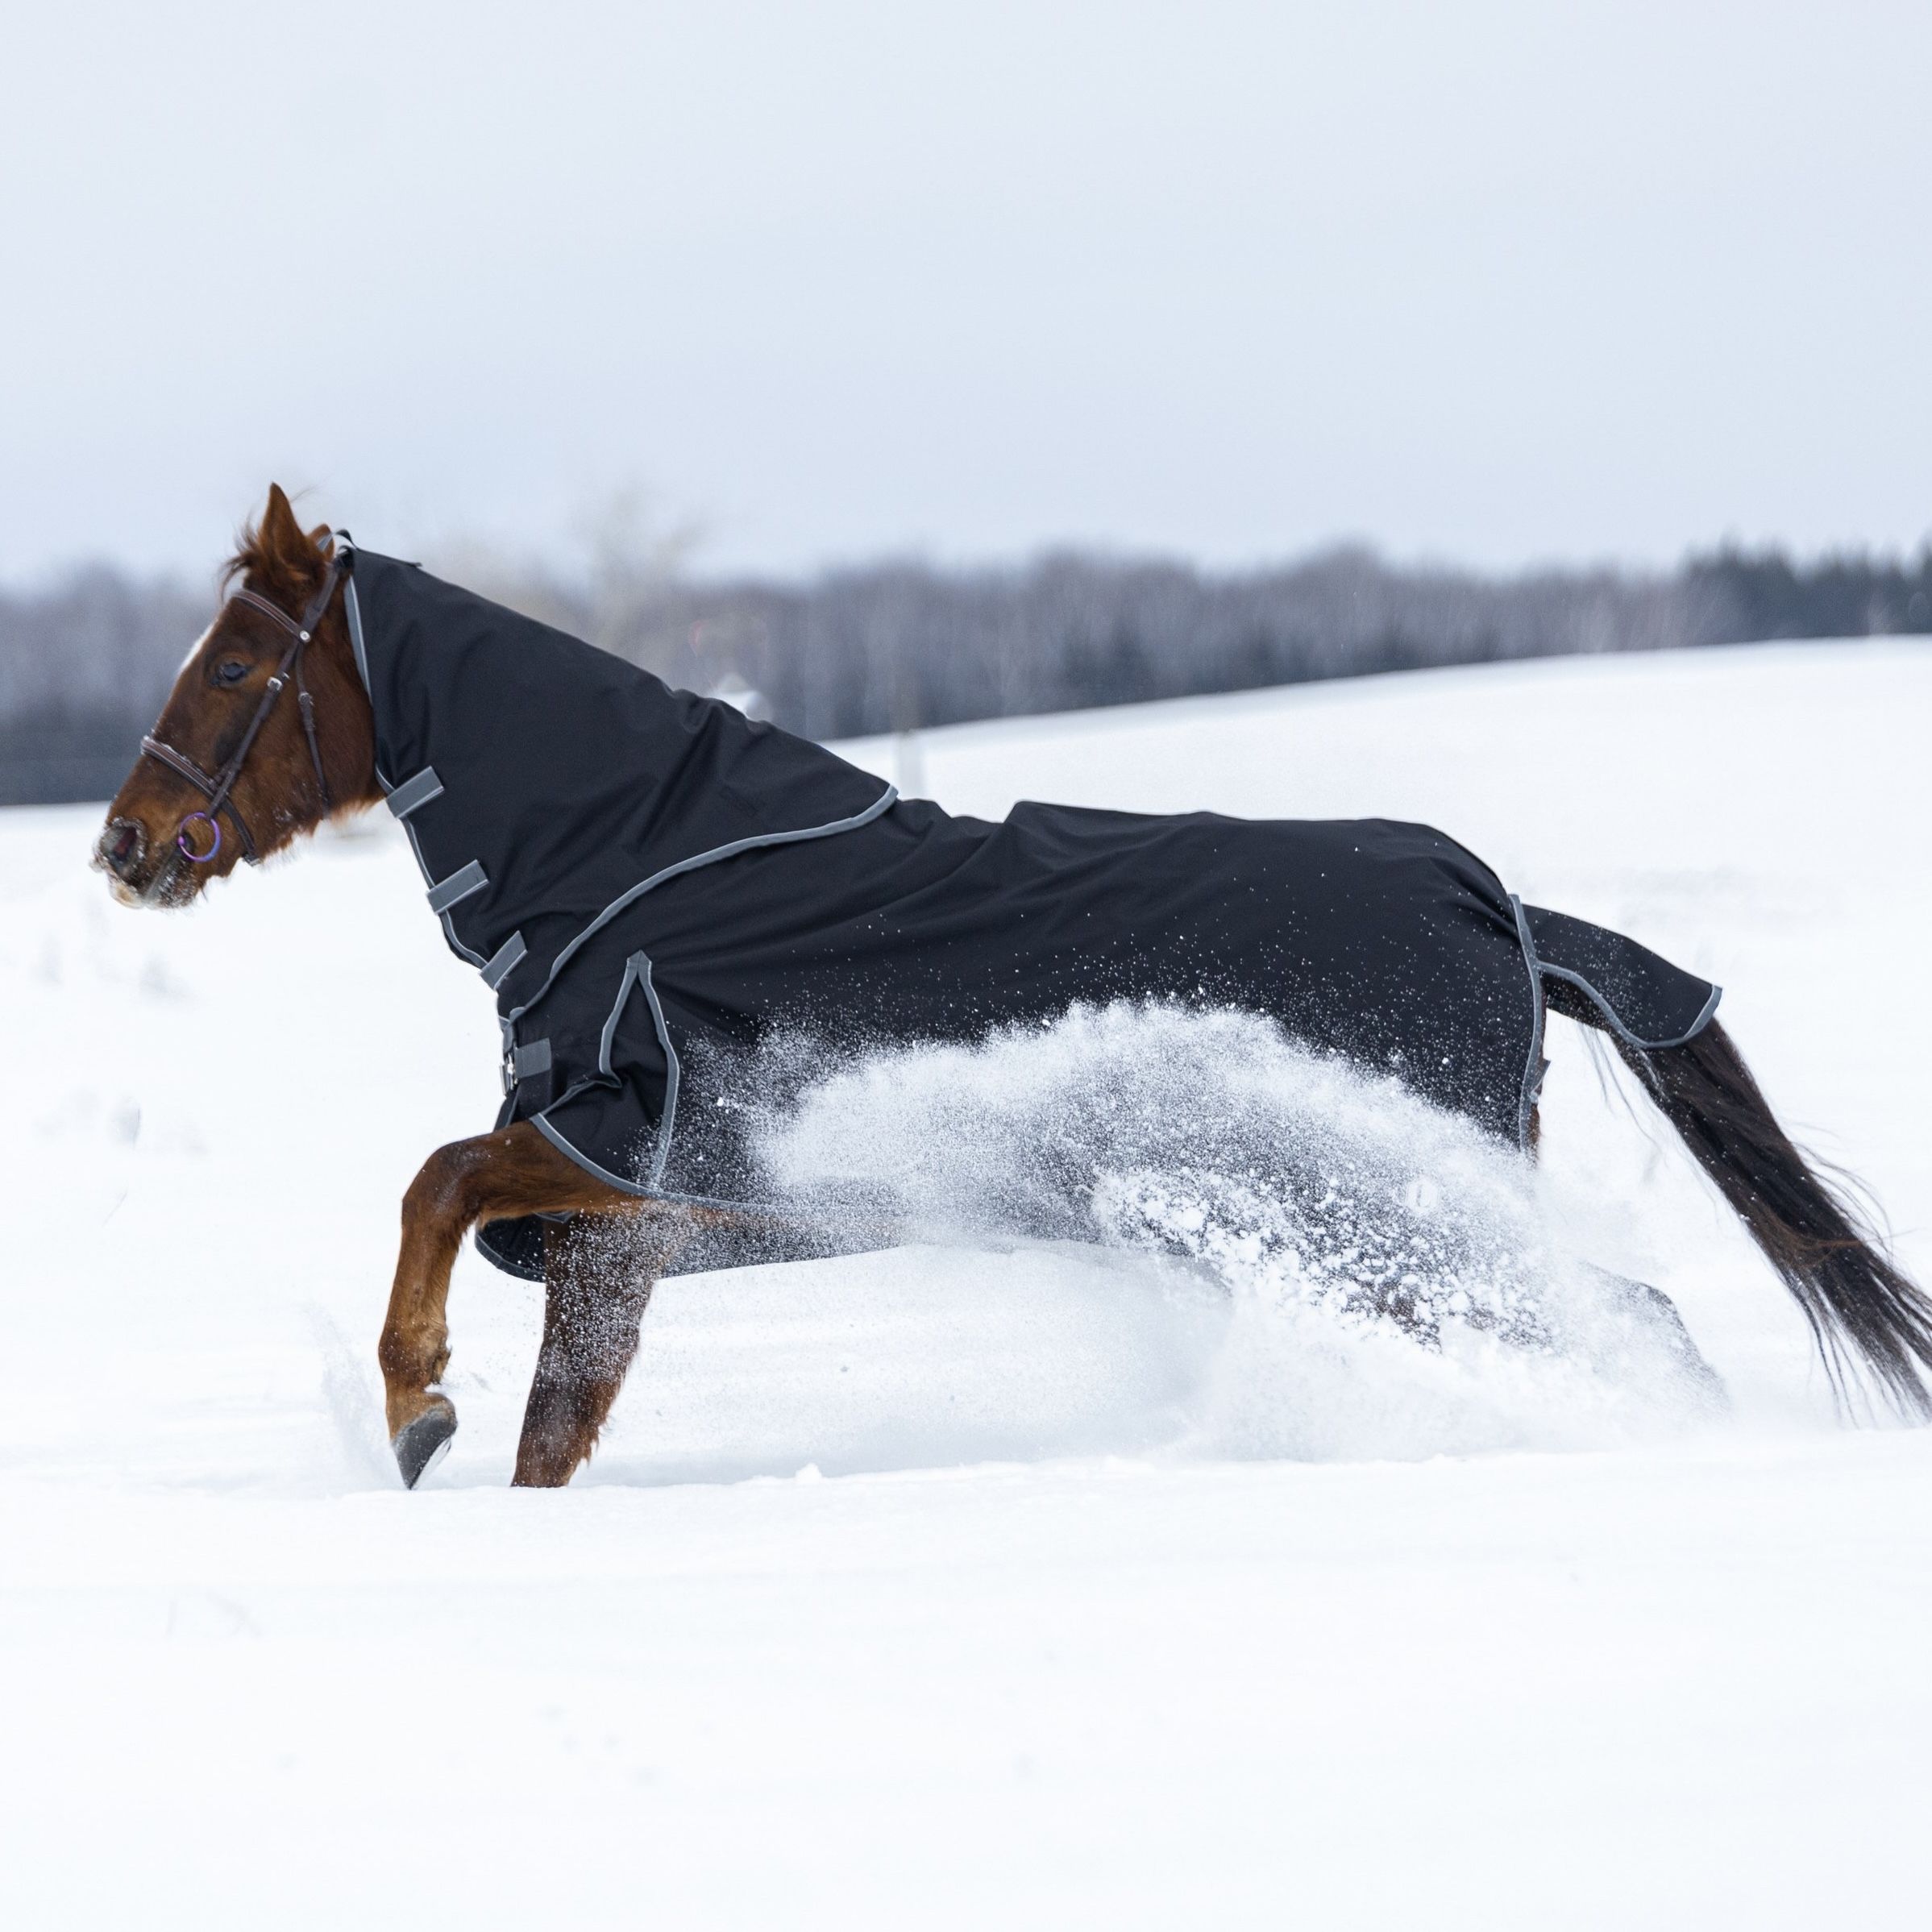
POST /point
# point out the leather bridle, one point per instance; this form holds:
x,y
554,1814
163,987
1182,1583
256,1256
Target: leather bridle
x,y
217,789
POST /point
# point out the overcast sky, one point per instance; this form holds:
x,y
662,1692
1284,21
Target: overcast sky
x,y
1486,282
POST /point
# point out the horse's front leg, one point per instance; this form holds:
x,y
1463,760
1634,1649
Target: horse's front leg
x,y
491,1178
598,1274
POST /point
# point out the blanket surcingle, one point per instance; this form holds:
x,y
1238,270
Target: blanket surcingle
x,y
654,887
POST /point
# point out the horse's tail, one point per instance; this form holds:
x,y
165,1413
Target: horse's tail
x,y
1860,1303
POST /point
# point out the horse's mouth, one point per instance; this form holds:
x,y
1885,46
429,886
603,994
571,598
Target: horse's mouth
x,y
175,884
171,885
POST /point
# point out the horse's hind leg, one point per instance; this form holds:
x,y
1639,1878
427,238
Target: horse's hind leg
x,y
1644,1303
598,1274
1654,1308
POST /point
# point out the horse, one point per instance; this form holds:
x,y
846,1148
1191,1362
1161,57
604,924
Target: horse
x,y
232,773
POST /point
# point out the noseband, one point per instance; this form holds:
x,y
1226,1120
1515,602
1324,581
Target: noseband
x,y
217,790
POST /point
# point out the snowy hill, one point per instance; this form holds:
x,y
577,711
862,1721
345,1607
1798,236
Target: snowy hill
x,y
968,1585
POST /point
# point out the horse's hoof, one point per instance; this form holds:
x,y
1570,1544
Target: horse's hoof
x,y
421,1444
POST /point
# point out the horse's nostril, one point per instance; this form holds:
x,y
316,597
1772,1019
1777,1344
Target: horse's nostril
x,y
121,846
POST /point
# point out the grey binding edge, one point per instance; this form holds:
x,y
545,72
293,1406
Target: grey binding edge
x,y
1617,1026
1532,1074
631,896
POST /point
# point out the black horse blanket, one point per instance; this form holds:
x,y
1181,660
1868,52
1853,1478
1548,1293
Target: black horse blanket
x,y
653,887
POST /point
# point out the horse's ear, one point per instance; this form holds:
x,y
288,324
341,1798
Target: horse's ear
x,y
286,548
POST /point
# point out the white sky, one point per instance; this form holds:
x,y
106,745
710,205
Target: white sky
x,y
1491,282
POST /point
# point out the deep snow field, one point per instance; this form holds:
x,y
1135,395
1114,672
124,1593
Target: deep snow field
x,y
981,1582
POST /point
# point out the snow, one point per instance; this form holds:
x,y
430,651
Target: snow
x,y
974,1582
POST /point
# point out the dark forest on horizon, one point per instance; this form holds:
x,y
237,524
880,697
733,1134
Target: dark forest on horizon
x,y
84,663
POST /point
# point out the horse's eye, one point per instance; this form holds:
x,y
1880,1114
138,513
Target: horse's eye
x,y
230,670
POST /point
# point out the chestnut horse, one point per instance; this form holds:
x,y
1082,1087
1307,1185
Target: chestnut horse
x,y
268,731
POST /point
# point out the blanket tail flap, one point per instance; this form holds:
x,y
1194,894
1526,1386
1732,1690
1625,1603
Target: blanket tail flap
x,y
1643,997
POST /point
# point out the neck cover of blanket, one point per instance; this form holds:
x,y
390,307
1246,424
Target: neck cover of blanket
x,y
655,887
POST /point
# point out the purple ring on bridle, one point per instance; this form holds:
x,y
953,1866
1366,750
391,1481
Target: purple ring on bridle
x,y
188,852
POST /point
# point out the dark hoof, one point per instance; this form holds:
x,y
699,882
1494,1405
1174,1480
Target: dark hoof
x,y
423,1444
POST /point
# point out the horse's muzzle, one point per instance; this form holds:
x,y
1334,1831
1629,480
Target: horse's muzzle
x,y
137,875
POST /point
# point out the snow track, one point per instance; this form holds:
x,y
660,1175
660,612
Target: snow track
x,y
984,1581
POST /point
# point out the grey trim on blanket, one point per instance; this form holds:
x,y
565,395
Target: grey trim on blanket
x,y
1617,1026
352,610
636,892
457,946
672,1071
352,604
637,973
1532,1075
607,1037
556,1138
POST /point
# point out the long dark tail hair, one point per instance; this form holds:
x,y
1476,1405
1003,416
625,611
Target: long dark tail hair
x,y
1862,1306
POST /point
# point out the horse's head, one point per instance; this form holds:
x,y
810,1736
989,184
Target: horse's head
x,y
265,733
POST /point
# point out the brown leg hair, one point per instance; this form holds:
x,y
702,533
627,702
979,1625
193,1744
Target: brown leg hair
x,y
495,1176
598,1274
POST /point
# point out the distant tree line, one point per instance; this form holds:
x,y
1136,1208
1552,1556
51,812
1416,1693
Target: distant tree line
x,y
83,669
898,645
